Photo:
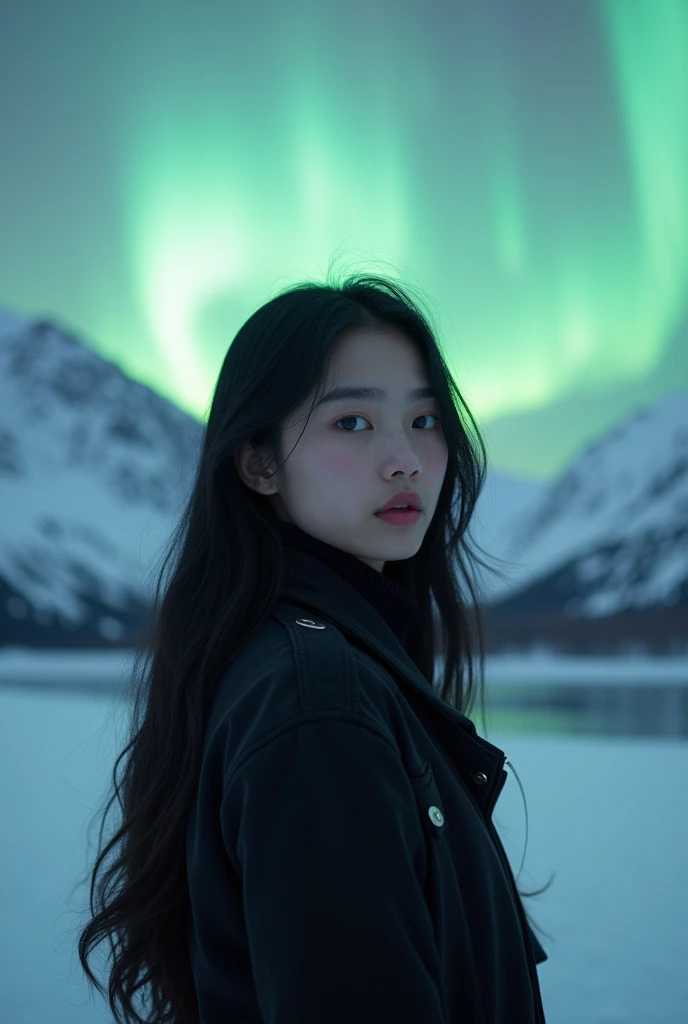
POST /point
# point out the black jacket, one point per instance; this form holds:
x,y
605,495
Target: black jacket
x,y
341,858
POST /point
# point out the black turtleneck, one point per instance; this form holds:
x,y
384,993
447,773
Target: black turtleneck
x,y
392,600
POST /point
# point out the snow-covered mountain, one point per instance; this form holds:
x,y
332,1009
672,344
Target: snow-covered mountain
x,y
503,501
93,469
611,533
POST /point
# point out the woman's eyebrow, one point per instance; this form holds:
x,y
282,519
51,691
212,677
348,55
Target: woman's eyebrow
x,y
351,391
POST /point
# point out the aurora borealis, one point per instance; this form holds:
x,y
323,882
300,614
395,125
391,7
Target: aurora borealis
x,y
167,167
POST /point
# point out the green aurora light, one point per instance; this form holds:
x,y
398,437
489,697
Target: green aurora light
x,y
524,165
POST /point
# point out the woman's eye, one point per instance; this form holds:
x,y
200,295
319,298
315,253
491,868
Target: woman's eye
x,y
425,416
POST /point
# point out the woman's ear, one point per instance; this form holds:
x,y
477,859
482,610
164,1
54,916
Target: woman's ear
x,y
252,471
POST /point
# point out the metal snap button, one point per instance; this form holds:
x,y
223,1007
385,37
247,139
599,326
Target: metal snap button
x,y
436,816
479,777
309,623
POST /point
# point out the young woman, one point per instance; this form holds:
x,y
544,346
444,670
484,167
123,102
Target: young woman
x,y
306,828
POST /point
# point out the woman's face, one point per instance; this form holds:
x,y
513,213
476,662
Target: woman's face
x,y
355,454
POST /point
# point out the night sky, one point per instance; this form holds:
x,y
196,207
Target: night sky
x,y
167,166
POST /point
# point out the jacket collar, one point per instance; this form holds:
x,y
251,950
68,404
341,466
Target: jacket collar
x,y
393,600
316,587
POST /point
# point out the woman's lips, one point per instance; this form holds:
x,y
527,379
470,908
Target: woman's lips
x,y
399,516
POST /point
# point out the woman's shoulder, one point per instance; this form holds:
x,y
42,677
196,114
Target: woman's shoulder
x,y
297,668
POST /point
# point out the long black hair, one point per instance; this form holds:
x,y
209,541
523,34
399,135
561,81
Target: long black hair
x,y
219,582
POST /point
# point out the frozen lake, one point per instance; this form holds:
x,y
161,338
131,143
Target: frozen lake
x,y
607,813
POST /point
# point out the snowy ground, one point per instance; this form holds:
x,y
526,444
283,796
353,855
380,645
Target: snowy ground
x,y
606,814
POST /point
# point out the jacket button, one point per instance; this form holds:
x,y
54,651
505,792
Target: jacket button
x,y
309,623
479,778
436,816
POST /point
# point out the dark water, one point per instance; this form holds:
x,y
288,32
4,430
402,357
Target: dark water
x,y
590,708
651,709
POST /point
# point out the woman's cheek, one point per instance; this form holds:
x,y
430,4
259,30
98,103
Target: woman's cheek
x,y
437,460
435,464
338,464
